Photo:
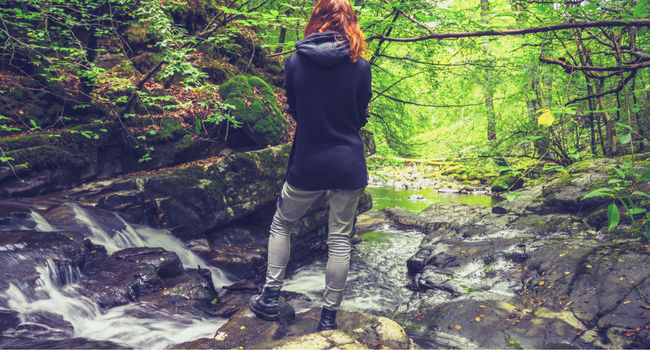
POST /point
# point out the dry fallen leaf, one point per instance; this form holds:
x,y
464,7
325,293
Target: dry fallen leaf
x,y
561,314
566,273
478,319
541,283
537,313
509,320
629,334
626,302
481,306
620,279
588,266
458,327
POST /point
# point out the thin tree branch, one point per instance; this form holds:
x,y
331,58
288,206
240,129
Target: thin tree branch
x,y
544,29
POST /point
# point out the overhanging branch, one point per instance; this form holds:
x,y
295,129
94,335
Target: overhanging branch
x,y
549,28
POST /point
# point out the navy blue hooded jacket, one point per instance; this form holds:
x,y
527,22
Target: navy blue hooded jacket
x,y
327,95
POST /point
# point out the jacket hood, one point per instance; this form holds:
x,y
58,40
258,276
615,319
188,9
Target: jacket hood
x,y
325,48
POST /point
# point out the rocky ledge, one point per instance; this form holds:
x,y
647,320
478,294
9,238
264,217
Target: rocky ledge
x,y
542,271
291,331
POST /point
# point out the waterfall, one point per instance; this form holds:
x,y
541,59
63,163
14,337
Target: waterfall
x,y
85,319
56,296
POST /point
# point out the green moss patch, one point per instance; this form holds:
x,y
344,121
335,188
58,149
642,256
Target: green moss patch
x,y
256,108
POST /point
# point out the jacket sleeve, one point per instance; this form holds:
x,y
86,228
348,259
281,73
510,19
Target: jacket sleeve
x,y
364,95
289,91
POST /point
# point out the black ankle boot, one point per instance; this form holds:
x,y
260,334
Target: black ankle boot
x,y
265,306
327,320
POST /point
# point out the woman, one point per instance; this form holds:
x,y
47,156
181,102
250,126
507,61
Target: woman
x,y
328,89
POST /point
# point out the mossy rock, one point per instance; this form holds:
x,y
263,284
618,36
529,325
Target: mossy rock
x,y
507,182
472,176
256,108
195,15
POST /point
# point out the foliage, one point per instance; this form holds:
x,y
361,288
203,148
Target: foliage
x,y
622,187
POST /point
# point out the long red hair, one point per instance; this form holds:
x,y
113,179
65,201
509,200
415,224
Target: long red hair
x,y
338,16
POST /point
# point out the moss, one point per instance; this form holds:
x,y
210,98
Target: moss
x,y
66,148
266,163
41,157
208,178
507,182
275,70
256,108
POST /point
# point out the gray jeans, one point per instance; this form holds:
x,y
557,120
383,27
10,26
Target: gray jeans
x,y
292,205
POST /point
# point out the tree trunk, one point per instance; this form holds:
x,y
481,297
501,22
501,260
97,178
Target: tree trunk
x,y
609,127
487,89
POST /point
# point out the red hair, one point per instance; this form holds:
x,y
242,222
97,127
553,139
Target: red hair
x,y
338,16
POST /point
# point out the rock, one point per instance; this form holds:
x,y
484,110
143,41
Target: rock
x,y
75,343
416,197
14,216
256,108
191,292
407,218
42,324
8,319
371,220
507,182
114,281
356,330
166,264
23,251
451,189
529,280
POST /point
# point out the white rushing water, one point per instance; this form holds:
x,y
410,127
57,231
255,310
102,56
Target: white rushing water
x,y
127,325
135,325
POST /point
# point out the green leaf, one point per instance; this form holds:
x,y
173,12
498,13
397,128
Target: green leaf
x,y
646,174
626,138
634,211
619,172
647,232
641,194
613,216
613,181
639,9
214,301
511,197
598,192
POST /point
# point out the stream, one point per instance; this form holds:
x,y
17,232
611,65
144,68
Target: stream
x,y
376,283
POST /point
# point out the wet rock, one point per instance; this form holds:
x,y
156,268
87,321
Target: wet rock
x,y
497,280
113,281
14,216
416,197
75,343
407,218
356,330
371,220
191,292
22,252
42,324
166,264
8,319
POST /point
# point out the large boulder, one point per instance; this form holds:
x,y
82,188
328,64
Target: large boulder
x,y
356,331
256,108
